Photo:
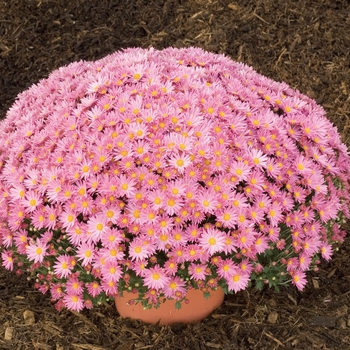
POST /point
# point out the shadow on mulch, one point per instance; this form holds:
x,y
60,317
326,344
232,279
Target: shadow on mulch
x,y
304,43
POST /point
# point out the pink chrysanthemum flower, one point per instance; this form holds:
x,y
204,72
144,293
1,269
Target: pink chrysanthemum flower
x,y
74,286
156,278
176,288
85,253
140,250
180,162
198,271
226,268
212,241
94,288
7,260
326,251
73,302
96,227
56,291
299,279
63,267
111,271
36,251
238,281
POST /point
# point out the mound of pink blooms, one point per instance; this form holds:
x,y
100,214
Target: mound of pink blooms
x,y
159,171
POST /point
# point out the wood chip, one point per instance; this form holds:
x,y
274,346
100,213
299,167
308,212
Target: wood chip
x,y
41,346
29,317
272,317
292,299
213,345
233,7
273,338
331,273
85,320
86,347
8,333
315,283
59,347
342,324
51,329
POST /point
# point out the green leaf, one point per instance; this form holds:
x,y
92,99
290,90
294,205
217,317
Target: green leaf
x,y
206,295
178,305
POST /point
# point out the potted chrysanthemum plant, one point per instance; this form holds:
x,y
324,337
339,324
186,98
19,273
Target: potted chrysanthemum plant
x,y
150,174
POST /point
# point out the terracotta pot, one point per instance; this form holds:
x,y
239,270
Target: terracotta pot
x,y
197,309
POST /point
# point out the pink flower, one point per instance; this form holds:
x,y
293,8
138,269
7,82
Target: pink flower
x,y
207,201
97,225
68,219
140,267
256,179
73,302
156,278
38,218
303,165
74,286
241,170
326,251
32,201
228,217
198,271
110,287
274,214
94,288
126,186
111,271
298,279
257,158
261,244
246,266
172,204
238,281
245,238
56,291
17,192
21,240
63,267
304,262
170,267
36,251
140,250
112,213
85,253
180,162
76,233
51,217
7,260
112,236
226,268
176,288
212,241
6,237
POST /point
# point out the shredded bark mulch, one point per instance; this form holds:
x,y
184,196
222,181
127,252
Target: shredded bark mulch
x,y
304,43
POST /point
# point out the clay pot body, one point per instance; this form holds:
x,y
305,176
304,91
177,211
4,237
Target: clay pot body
x,y
195,310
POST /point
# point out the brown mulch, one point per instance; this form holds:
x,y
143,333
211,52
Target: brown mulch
x,y
305,43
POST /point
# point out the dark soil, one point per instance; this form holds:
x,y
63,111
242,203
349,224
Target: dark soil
x,y
305,43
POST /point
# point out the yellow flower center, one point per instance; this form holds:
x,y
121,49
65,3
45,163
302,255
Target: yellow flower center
x,y
212,241
38,251
156,276
236,278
